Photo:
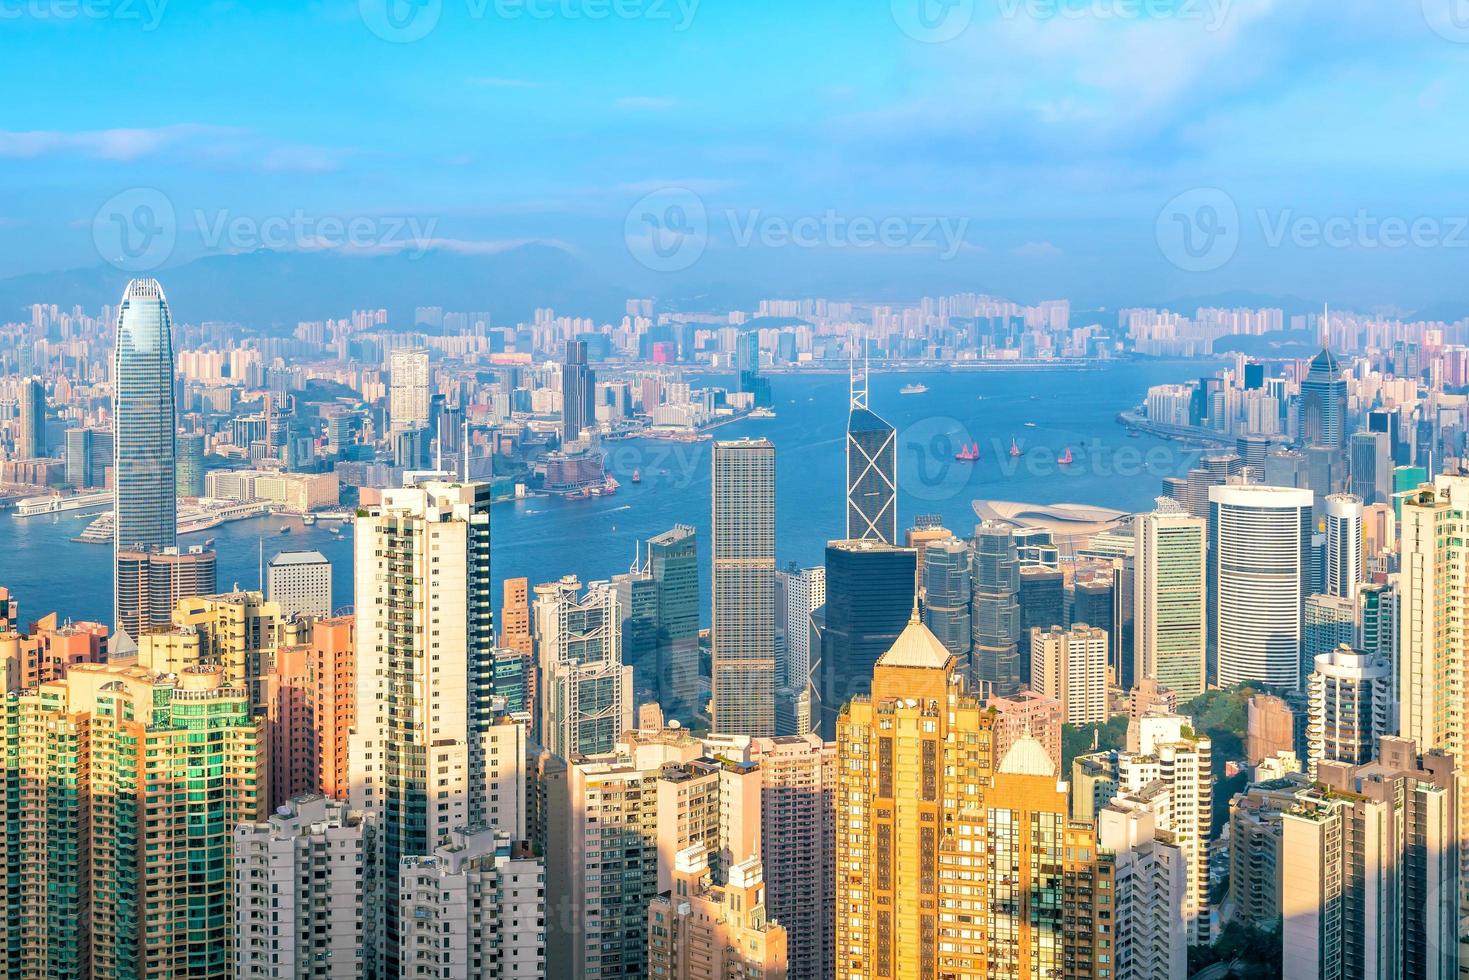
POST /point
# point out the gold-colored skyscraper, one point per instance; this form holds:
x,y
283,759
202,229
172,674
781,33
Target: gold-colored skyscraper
x,y
951,863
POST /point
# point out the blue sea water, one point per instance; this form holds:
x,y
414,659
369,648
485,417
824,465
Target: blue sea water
x,y
544,538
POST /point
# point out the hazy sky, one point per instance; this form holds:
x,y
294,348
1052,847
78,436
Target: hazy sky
x,y
1115,151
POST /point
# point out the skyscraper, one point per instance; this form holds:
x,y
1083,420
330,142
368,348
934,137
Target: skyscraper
x,y
995,655
1071,667
586,690
947,591
425,671
1351,706
1260,564
744,587
578,392
1324,403
673,561
702,931
32,441
1343,545
1169,632
190,465
145,482
798,593
408,394
1369,870
747,369
872,470
151,584
869,600
125,790
939,843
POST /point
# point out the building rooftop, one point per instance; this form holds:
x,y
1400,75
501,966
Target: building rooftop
x,y
298,558
916,646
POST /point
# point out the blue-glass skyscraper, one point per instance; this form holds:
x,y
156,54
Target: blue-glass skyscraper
x,y
144,478
946,596
872,470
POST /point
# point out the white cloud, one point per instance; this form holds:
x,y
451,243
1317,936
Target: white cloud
x,y
1036,250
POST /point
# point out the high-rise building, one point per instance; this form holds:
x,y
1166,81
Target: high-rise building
x,y
300,582
1270,728
1351,706
1169,774
869,600
1259,565
673,561
1042,599
947,593
797,837
88,457
31,443
1151,882
744,664
125,789
920,796
995,616
408,391
1169,633
1343,545
798,593
1070,665
749,380
1371,466
586,690
872,470
1027,714
1329,622
475,909
303,887
603,868
420,752
151,584
1324,403
1255,862
578,392
700,930
144,481
515,624
190,465
1369,867
237,630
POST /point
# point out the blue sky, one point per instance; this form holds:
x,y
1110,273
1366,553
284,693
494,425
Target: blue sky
x,y
1051,137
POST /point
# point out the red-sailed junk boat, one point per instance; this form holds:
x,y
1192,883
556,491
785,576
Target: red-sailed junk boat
x,y
968,454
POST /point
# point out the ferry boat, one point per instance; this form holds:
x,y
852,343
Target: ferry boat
x,y
912,389
1030,425
1066,457
968,454
762,413
1014,448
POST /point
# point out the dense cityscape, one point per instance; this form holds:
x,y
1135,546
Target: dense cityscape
x,y
708,490
1066,741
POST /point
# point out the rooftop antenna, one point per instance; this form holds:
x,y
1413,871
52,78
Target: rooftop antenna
x,y
858,379
262,566
1325,326
636,560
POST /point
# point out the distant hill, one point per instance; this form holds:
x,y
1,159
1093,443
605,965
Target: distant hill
x,y
271,291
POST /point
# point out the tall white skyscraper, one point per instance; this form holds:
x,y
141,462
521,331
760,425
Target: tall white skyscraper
x,y
802,591
144,441
421,762
1152,880
1343,545
744,587
1169,623
408,392
586,691
1260,564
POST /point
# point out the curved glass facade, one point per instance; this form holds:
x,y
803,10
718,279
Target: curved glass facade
x,y
144,421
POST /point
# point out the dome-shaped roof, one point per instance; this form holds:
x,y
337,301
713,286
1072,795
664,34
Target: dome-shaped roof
x,y
916,646
1028,757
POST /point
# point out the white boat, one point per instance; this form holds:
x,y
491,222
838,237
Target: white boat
x,y
912,389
